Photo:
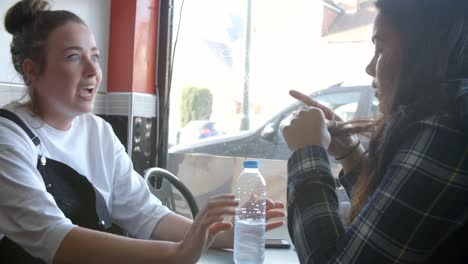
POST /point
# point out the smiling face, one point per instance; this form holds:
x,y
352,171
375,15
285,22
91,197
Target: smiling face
x,y
384,66
68,84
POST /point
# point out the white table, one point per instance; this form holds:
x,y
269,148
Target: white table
x,y
272,256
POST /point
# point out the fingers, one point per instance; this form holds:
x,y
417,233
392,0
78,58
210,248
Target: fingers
x,y
307,127
220,205
222,200
270,214
216,208
307,100
223,196
270,226
274,214
331,125
219,227
270,204
209,222
212,216
303,110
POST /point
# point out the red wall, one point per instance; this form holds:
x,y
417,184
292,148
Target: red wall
x,y
133,46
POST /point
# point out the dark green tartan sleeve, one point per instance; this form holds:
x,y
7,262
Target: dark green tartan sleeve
x,y
421,200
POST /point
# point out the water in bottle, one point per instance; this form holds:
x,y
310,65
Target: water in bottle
x,y
249,227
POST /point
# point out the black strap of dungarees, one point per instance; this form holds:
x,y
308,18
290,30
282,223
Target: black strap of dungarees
x,y
14,118
105,221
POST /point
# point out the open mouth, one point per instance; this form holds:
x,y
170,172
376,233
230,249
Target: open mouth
x,y
377,94
86,92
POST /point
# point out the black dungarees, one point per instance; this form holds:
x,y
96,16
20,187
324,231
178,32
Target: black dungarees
x,y
73,193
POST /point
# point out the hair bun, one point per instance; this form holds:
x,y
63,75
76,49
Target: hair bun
x,y
24,13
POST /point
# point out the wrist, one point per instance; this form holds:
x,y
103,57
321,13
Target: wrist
x,y
182,254
224,240
353,160
349,151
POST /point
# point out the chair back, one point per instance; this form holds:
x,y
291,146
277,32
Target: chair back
x,y
171,191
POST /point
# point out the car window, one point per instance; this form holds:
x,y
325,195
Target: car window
x,y
347,111
343,103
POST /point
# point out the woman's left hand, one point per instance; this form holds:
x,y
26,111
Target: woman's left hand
x,y
307,126
339,144
273,212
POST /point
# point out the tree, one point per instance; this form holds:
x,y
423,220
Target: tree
x,y
196,104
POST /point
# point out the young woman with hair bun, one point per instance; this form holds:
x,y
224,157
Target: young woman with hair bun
x,y
60,206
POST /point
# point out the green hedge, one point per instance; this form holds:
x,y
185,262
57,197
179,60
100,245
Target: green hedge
x,y
196,104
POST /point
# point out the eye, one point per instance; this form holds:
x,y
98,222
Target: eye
x,y
378,50
378,47
72,57
96,57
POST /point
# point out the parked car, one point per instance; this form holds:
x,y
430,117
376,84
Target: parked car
x,y
196,130
266,141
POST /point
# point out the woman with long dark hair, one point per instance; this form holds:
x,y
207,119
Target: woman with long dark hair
x,y
409,191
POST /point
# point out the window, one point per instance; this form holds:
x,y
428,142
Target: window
x,y
318,47
344,104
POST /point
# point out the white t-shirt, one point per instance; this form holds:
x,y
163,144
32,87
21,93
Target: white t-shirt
x,y
28,213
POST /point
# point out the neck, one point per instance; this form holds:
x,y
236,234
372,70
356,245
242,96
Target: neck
x,y
58,119
62,123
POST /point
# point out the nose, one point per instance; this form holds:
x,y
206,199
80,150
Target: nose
x,y
370,69
91,68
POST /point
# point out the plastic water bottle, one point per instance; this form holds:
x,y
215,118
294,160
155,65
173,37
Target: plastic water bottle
x,y
249,226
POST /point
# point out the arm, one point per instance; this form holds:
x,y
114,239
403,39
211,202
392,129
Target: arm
x,y
353,161
376,235
24,200
52,237
352,168
98,247
31,218
132,206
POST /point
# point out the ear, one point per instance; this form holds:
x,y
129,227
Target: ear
x,y
30,70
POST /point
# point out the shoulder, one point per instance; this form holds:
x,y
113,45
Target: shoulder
x,y
437,128
97,127
435,140
447,123
14,137
441,129
94,124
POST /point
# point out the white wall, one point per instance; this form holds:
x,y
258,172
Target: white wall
x,y
7,72
96,13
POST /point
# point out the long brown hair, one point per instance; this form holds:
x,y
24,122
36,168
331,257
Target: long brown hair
x,y
31,22
434,48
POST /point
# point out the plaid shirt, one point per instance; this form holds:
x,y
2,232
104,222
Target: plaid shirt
x,y
415,214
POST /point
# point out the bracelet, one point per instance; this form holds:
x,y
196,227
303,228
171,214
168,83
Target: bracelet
x,y
359,165
350,151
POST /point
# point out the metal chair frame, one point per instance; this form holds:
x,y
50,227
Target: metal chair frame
x,y
157,177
